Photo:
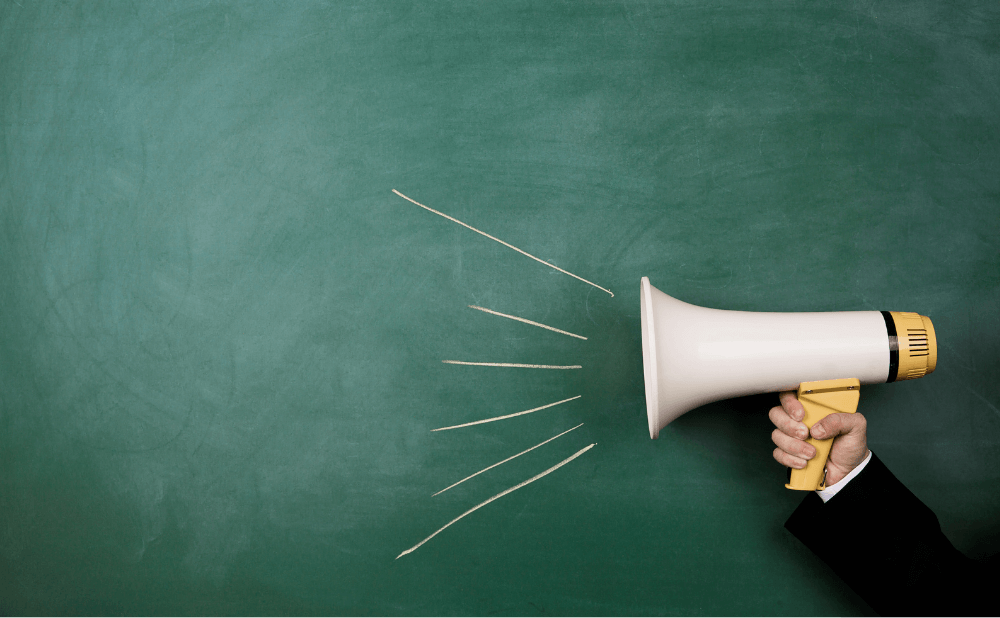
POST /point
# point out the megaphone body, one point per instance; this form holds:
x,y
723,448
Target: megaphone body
x,y
694,355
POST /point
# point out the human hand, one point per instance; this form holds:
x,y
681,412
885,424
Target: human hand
x,y
849,433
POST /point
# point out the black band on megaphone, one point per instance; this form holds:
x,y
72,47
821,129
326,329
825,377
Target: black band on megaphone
x,y
890,328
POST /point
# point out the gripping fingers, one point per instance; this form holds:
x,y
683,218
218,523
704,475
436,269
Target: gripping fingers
x,y
792,405
789,461
787,424
796,448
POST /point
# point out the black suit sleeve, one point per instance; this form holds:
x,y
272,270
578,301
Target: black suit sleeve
x,y
888,546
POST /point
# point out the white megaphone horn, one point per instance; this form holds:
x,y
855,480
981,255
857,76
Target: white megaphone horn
x,y
692,356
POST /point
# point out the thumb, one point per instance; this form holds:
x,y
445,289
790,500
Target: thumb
x,y
837,424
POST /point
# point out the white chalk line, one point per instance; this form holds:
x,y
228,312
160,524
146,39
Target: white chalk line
x,y
500,418
506,416
500,495
455,362
514,317
506,460
501,242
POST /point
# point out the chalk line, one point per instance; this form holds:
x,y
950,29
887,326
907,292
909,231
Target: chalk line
x,y
501,242
500,495
514,317
506,460
500,418
455,362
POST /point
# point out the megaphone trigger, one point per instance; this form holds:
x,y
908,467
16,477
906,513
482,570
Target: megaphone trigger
x,y
820,399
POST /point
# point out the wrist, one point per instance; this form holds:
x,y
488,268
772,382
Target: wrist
x,y
834,487
835,473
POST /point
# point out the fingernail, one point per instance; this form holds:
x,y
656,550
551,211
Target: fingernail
x,y
803,432
818,431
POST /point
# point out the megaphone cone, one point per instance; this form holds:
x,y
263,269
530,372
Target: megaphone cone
x,y
693,355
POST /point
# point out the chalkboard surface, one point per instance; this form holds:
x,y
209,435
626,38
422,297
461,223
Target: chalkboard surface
x,y
222,333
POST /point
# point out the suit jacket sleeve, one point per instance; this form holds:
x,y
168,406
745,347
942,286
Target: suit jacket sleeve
x,y
888,546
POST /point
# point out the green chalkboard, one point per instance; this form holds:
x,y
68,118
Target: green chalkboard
x,y
222,333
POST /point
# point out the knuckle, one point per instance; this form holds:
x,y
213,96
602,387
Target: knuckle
x,y
773,414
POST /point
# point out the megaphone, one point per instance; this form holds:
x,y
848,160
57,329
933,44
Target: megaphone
x,y
693,355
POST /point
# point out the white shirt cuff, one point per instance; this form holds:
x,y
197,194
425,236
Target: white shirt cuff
x,y
831,490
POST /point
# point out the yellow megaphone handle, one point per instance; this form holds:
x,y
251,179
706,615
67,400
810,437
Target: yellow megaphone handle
x,y
820,399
